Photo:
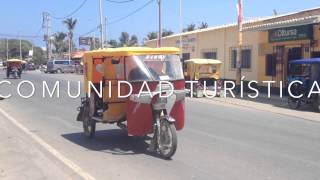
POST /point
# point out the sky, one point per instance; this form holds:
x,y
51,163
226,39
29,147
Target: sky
x,y
25,17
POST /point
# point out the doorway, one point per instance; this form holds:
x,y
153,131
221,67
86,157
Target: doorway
x,y
315,54
294,53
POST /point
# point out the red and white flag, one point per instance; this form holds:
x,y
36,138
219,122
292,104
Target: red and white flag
x,y
240,12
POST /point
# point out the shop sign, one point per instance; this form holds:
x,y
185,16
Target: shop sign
x,y
291,33
186,40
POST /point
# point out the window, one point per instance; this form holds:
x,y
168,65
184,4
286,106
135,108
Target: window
x,y
62,62
185,56
233,56
271,64
153,68
207,69
245,58
210,55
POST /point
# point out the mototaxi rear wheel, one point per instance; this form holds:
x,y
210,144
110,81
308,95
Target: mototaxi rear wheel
x,y
316,104
294,103
89,125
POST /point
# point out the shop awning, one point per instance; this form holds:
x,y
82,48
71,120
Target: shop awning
x,y
285,23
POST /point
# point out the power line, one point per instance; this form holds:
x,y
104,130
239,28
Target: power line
x,y
132,13
20,36
39,31
73,12
120,2
91,31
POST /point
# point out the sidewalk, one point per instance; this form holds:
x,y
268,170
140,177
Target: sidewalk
x,y
22,159
274,104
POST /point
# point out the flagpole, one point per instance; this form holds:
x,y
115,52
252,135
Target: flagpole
x,y
181,27
160,24
240,42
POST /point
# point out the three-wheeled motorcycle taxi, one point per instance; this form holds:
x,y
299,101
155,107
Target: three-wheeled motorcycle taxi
x,y
203,70
154,103
14,68
306,71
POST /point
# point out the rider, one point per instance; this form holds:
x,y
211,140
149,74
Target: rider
x,y
12,66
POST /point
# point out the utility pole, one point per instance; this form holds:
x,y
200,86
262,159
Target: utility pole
x,y
160,24
101,25
7,48
20,47
49,35
181,27
94,40
69,46
47,25
239,50
105,32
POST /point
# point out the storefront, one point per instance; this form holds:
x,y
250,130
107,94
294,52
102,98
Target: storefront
x,y
268,45
283,41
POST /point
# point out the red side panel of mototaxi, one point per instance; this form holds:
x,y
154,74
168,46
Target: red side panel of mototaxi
x,y
139,116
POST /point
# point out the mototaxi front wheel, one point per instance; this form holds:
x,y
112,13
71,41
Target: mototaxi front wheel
x,y
167,139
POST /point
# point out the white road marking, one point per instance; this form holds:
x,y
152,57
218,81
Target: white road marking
x,y
49,148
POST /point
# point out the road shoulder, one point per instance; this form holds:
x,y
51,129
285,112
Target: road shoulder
x,y
21,158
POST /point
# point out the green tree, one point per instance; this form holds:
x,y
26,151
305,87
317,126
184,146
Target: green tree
x,y
113,43
133,41
71,25
59,42
166,32
38,56
14,50
124,39
152,35
190,27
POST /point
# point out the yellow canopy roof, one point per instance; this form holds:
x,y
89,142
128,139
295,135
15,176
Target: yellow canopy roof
x,y
14,60
204,61
128,51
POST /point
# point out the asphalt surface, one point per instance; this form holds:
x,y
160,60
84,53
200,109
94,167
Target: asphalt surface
x,y
219,142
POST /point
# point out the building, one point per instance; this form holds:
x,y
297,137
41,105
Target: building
x,y
268,44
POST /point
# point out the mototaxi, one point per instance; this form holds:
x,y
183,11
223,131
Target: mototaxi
x,y
139,114
204,71
307,72
14,68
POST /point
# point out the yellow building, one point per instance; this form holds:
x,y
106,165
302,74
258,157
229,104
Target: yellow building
x,y
268,44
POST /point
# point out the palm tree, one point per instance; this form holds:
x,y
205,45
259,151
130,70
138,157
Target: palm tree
x,y
133,40
113,43
58,42
152,35
71,24
124,39
166,32
190,27
203,25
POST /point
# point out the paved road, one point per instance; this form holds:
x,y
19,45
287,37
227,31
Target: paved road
x,y
219,141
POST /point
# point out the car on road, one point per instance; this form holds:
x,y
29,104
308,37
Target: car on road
x,y
60,66
43,68
1,65
30,67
